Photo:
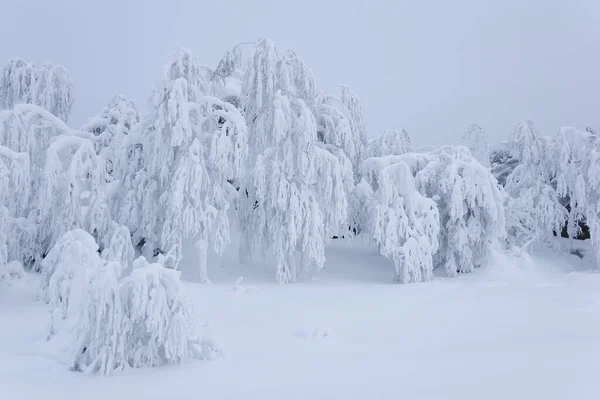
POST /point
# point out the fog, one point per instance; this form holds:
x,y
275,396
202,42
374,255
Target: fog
x,y
432,67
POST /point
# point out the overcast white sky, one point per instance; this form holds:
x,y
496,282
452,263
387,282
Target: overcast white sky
x,y
432,67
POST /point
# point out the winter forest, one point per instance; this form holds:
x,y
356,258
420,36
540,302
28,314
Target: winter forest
x,y
115,219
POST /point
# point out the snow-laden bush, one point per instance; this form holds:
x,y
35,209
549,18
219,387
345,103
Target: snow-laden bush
x,y
468,197
96,331
64,274
145,320
404,224
108,323
157,317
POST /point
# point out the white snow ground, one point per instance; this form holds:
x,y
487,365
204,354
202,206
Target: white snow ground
x,y
515,329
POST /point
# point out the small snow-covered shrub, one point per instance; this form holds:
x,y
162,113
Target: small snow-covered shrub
x,y
109,323
97,342
64,274
157,317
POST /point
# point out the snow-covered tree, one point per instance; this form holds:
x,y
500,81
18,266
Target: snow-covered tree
x,y
474,139
392,142
73,191
14,181
297,79
372,166
192,144
573,155
226,79
266,72
30,129
294,194
502,162
470,204
592,175
352,103
112,125
229,63
328,168
3,237
47,85
340,128
336,127
534,210
263,76
17,234
55,179
404,224
469,201
129,172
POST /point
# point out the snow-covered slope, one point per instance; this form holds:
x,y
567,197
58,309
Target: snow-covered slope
x,y
519,328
